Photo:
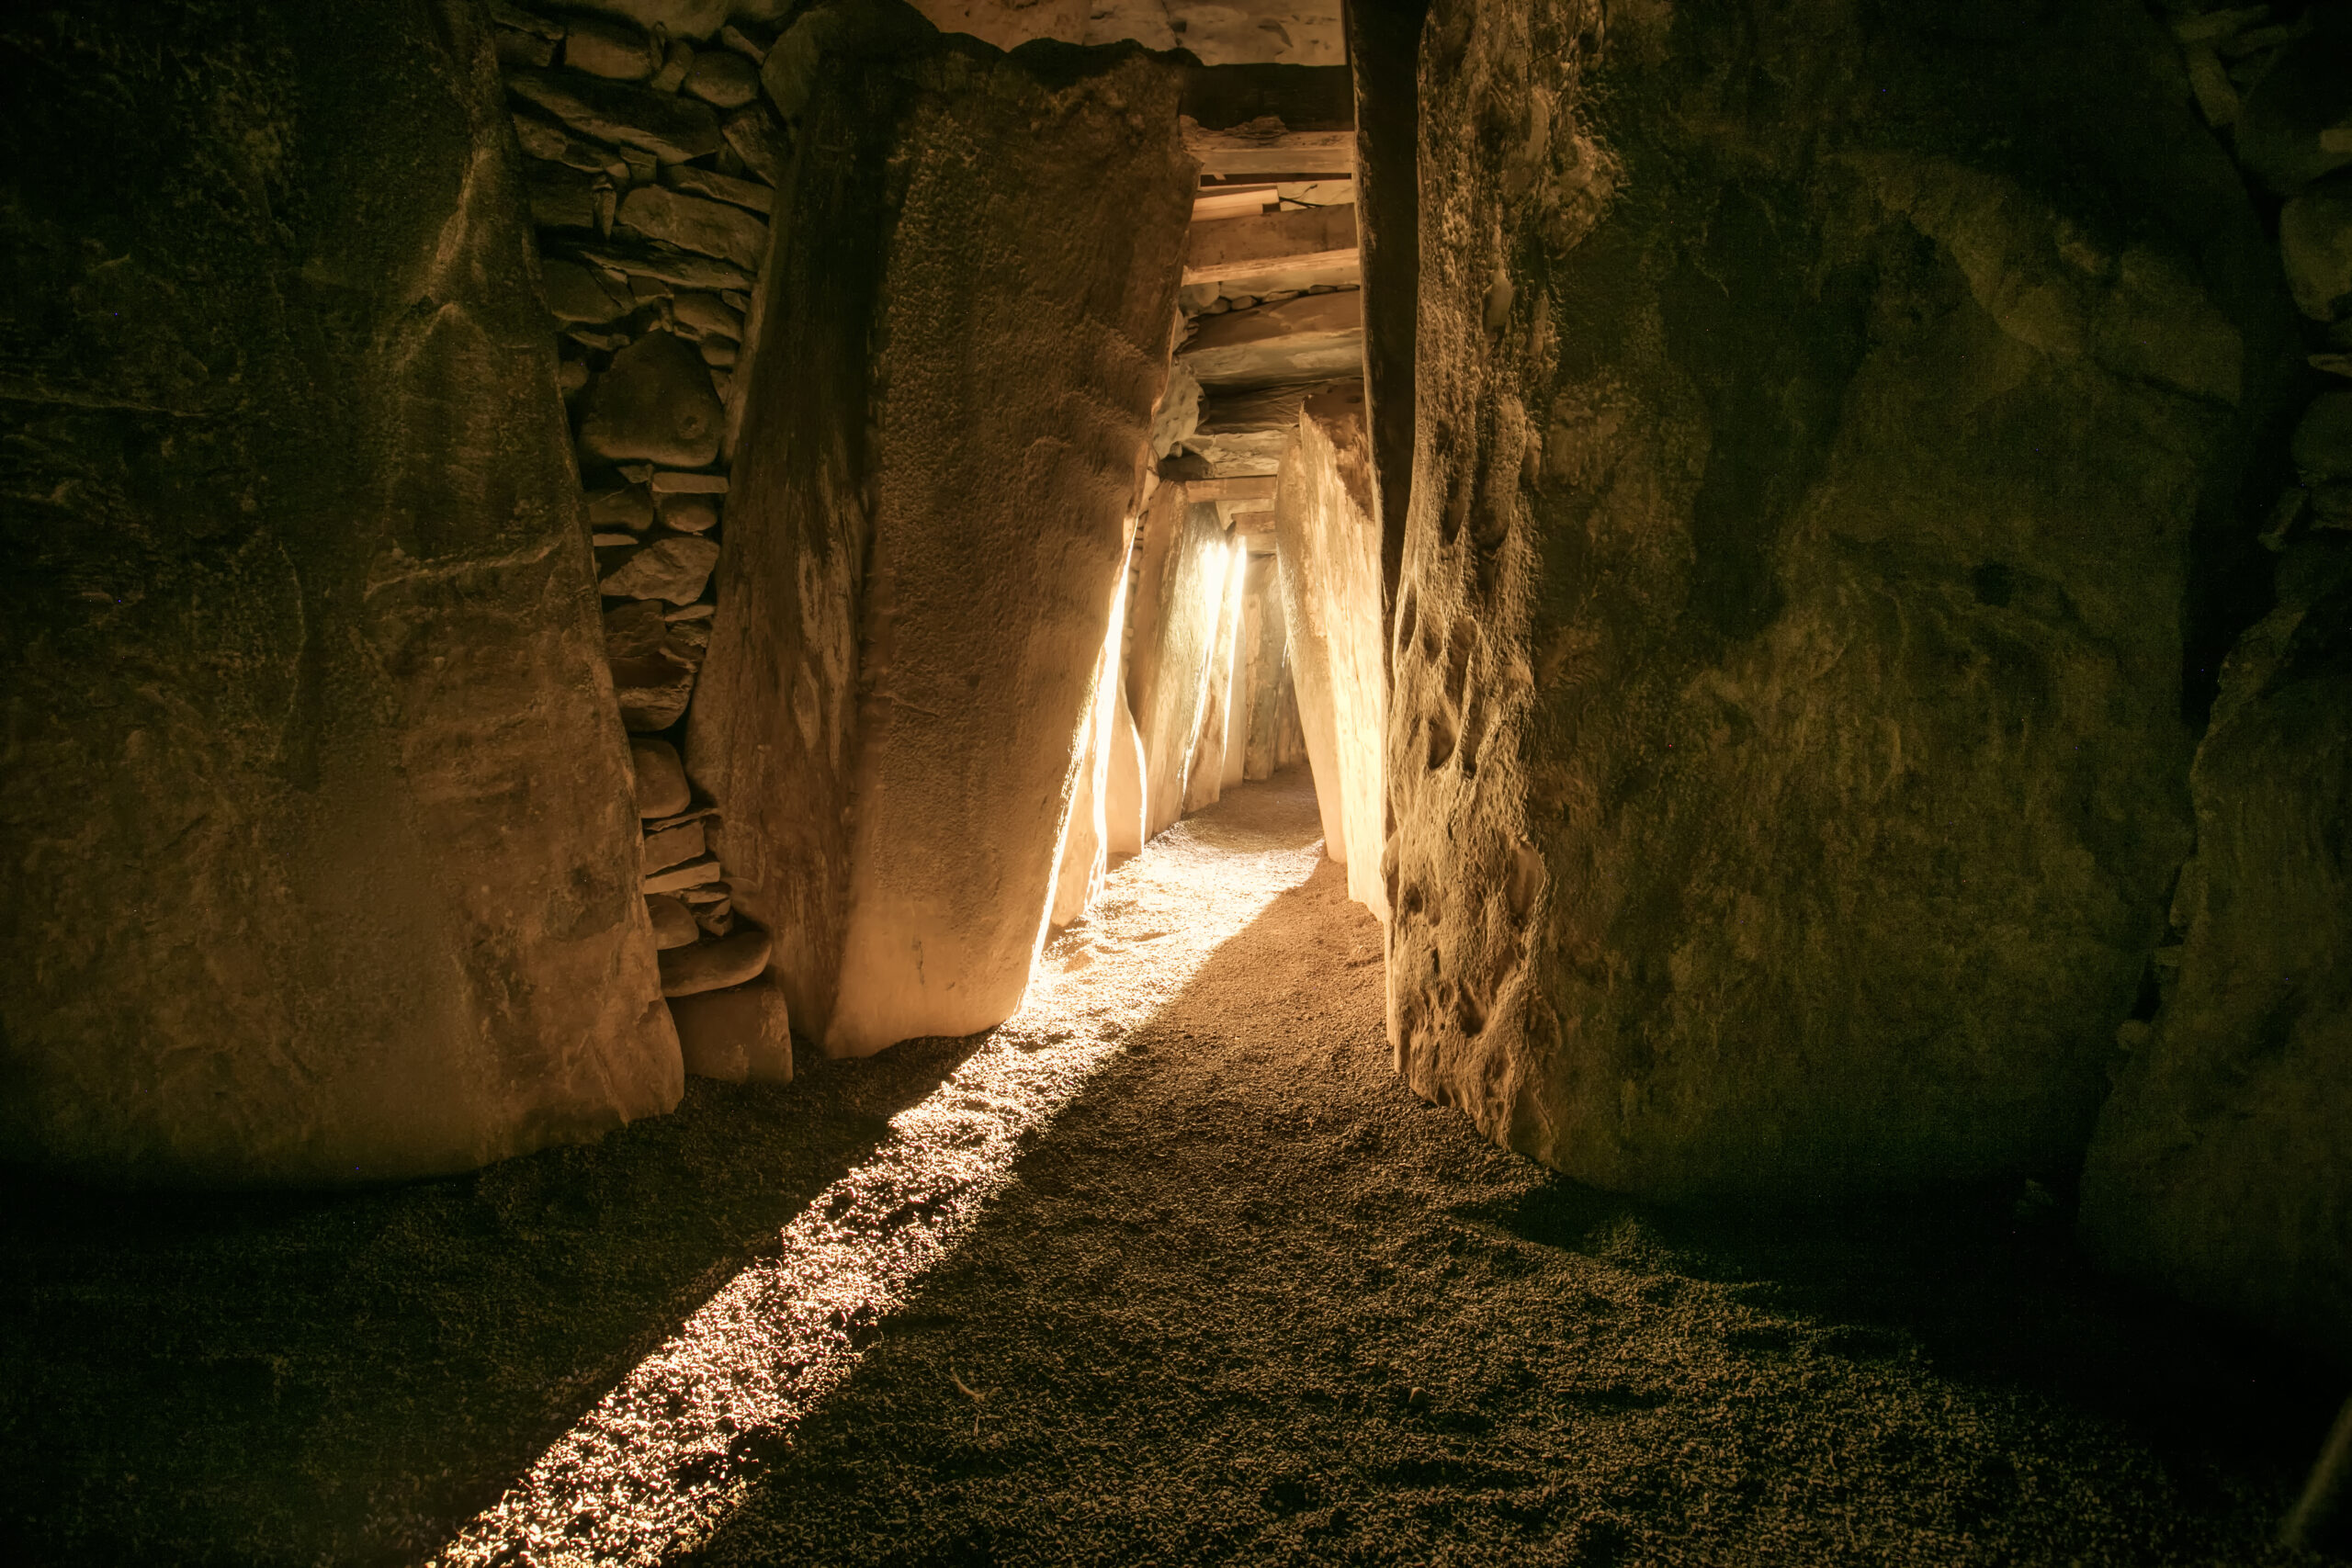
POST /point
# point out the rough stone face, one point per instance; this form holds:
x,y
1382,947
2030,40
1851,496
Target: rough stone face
x,y
673,925
747,194
2221,1167
2315,243
722,78
662,789
299,620
1785,738
742,1034
1029,301
712,228
679,18
1330,549
654,404
1123,786
1179,594
1263,655
771,730
672,128
673,570
576,294
611,49
709,965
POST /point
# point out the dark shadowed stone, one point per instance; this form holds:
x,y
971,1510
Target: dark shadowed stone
x,y
673,923
662,789
631,507
672,130
2222,1168
564,197
1785,741
611,49
748,194
712,228
520,50
679,18
577,294
543,139
635,630
2283,135
690,514
723,78
653,692
673,569
706,966
705,314
682,269
759,140
299,617
741,1035
2316,243
655,403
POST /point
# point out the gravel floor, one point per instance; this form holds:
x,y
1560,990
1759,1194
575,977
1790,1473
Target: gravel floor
x,y
1243,1300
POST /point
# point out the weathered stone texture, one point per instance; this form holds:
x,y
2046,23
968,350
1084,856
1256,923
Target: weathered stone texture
x,y
770,733
2221,1166
1204,774
1786,744
323,854
1182,555
1028,302
905,855
1328,547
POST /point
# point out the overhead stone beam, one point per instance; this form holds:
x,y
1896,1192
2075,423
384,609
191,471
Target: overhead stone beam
x,y
1313,337
1234,247
1246,150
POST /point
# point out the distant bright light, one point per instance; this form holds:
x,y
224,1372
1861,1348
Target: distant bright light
x,y
651,1470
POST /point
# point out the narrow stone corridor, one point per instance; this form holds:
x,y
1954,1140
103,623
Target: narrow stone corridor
x,y
1240,1298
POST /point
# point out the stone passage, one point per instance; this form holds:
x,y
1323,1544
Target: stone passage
x,y
650,159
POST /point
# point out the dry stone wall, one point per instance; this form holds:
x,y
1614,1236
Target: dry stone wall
x,y
1819,413
2223,1162
322,862
650,163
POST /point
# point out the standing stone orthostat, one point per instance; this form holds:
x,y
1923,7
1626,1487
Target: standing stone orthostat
x,y
324,856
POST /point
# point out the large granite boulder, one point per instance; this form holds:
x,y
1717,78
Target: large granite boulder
x,y
1328,548
2220,1166
323,862
1817,412
947,557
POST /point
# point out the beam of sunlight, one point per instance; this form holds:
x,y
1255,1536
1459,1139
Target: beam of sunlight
x,y
661,1461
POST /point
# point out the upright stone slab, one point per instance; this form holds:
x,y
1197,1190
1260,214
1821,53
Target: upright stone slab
x,y
2220,1166
1026,310
1123,786
323,862
1085,853
1786,745
772,733
1329,545
1204,776
1263,639
1179,594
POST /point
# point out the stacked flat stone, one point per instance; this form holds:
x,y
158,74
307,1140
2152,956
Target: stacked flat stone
x,y
650,162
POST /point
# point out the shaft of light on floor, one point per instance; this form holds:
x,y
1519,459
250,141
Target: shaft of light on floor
x,y
661,1461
